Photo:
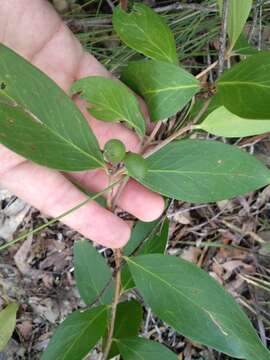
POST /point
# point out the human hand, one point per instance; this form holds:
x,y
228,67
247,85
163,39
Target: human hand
x,y
34,30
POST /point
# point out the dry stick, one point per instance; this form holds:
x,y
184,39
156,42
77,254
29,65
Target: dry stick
x,y
223,36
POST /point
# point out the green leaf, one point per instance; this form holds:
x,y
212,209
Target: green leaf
x,y
146,32
192,302
156,244
138,348
49,115
242,47
245,88
111,101
77,335
165,87
202,171
7,323
237,16
92,274
126,327
222,122
140,232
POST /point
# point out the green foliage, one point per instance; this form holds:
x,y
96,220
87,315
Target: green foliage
x,y
114,151
40,122
7,324
77,335
156,244
93,276
110,100
138,348
203,171
222,122
126,327
193,303
146,32
140,232
245,88
242,47
136,164
237,16
29,96
166,88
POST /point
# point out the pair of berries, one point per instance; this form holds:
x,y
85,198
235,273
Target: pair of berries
x,y
115,151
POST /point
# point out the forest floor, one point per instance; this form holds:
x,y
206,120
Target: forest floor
x,y
229,239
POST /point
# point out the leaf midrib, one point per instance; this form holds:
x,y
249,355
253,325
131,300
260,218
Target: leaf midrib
x,y
170,88
201,173
36,120
182,294
249,83
81,334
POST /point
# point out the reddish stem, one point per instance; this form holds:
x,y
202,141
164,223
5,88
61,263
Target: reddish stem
x,y
124,4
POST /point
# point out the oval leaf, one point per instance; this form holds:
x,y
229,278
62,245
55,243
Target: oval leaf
x,y
165,87
138,348
110,100
245,88
93,275
202,171
43,103
145,31
222,122
237,17
7,324
188,299
126,328
77,335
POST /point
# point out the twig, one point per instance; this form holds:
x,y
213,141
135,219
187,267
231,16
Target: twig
x,y
223,36
168,140
117,293
238,230
206,71
151,137
180,131
124,4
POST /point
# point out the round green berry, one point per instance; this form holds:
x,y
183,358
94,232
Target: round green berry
x,y
136,165
114,151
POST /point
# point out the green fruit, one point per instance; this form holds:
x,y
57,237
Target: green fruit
x,y
136,165
114,151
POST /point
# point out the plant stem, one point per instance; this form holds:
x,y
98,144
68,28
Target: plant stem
x,y
206,71
168,140
124,4
61,216
117,293
151,136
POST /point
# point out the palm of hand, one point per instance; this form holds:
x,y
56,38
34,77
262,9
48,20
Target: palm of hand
x,y
34,30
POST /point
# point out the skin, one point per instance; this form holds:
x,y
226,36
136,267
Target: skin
x,y
34,30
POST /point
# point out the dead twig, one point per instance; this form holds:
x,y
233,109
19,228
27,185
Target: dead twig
x,y
223,36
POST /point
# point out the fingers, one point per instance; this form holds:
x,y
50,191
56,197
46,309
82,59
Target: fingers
x,y
135,198
53,194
